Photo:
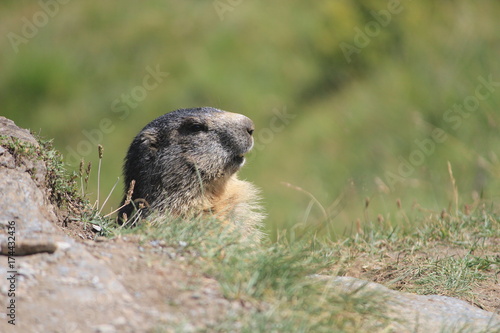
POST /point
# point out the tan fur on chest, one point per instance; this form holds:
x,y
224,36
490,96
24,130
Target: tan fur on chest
x,y
236,203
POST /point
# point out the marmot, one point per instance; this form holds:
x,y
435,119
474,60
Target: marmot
x,y
184,164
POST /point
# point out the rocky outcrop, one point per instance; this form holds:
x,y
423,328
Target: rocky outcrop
x,y
53,292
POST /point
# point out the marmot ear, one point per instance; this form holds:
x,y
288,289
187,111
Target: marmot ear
x,y
149,138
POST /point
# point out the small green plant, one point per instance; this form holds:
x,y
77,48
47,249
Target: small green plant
x,y
64,190
61,185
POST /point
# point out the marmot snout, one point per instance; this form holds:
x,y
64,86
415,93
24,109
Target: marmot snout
x,y
184,163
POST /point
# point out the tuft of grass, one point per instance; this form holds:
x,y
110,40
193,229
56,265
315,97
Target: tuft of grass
x,y
61,185
450,276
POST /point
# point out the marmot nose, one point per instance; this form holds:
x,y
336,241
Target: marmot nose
x,y
243,123
248,123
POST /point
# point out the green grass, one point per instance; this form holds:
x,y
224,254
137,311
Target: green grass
x,y
447,276
449,256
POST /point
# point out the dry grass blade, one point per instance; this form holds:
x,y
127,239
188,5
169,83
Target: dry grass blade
x,y
454,185
109,195
310,195
128,199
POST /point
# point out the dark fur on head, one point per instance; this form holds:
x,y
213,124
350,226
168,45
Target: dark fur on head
x,y
184,159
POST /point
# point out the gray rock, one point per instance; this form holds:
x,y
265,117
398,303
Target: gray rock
x,y
422,313
6,159
49,299
105,328
9,128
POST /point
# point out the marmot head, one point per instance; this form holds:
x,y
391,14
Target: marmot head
x,y
183,157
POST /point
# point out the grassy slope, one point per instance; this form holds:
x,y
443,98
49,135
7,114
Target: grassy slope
x,y
454,254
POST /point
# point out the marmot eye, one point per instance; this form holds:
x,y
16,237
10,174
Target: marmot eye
x,y
194,128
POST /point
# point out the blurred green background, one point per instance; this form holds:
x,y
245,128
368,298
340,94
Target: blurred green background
x,y
351,99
